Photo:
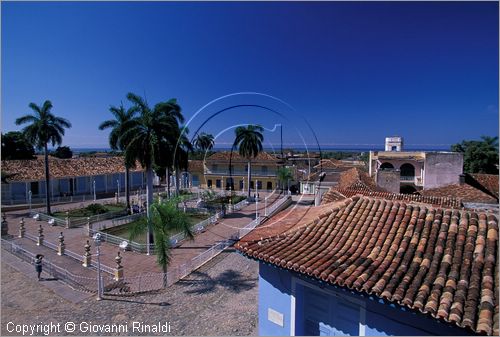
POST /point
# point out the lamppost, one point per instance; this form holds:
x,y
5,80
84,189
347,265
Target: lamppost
x,y
97,241
93,184
118,184
29,198
256,199
265,209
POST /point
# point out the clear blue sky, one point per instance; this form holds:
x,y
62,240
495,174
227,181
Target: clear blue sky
x,y
357,72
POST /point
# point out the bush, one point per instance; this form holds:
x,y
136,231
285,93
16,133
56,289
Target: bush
x,y
96,209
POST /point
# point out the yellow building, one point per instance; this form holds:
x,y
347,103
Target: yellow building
x,y
219,175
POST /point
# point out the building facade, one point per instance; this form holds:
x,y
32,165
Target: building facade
x,y
228,170
69,177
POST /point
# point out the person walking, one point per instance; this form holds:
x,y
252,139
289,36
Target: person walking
x,y
38,265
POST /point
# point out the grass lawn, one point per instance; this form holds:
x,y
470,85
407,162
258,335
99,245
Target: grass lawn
x,y
123,230
225,200
86,211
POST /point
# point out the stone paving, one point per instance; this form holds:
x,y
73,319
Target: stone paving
x,y
220,298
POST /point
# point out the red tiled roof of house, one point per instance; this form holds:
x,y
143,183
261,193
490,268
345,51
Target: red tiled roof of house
x,y
33,170
359,179
235,157
335,194
464,192
488,181
441,262
328,164
196,166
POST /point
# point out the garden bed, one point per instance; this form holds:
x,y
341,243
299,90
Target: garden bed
x,y
90,210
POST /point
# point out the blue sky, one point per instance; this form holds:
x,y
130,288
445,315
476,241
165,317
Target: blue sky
x,y
355,72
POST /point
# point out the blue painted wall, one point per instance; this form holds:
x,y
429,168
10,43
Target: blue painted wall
x,y
274,293
381,318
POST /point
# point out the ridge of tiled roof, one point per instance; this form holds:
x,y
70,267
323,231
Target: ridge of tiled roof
x,y
34,170
488,182
235,157
335,194
441,262
465,192
328,164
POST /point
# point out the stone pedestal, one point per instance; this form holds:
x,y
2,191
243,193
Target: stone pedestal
x,y
22,229
62,246
87,257
5,225
119,268
39,241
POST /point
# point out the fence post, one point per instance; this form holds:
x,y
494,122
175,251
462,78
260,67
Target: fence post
x,y
67,219
5,225
87,257
62,246
39,241
22,229
119,267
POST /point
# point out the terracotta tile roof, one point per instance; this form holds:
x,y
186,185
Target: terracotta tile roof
x,y
329,176
328,164
488,182
335,194
32,170
465,192
359,179
196,166
441,262
225,155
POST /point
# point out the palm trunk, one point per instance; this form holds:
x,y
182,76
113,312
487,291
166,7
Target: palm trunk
x,y
127,187
47,182
249,177
168,182
177,192
149,198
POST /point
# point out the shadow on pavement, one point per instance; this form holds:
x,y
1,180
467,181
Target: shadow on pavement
x,y
230,279
160,304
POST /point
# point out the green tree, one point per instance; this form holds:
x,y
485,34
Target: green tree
x,y
63,152
150,138
16,147
44,127
166,220
117,126
284,174
479,156
204,142
249,140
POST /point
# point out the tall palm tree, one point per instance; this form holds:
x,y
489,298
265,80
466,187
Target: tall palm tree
x,y
117,127
149,137
44,128
284,175
166,220
249,143
204,142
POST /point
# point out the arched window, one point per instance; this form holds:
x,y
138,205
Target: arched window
x,y
386,166
407,170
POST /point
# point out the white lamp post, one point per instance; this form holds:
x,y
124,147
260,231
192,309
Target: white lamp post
x,y
118,184
93,184
29,198
97,241
265,211
256,199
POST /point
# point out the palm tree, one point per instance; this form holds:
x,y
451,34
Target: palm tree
x,y
204,142
284,175
44,128
117,127
149,138
249,142
166,220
